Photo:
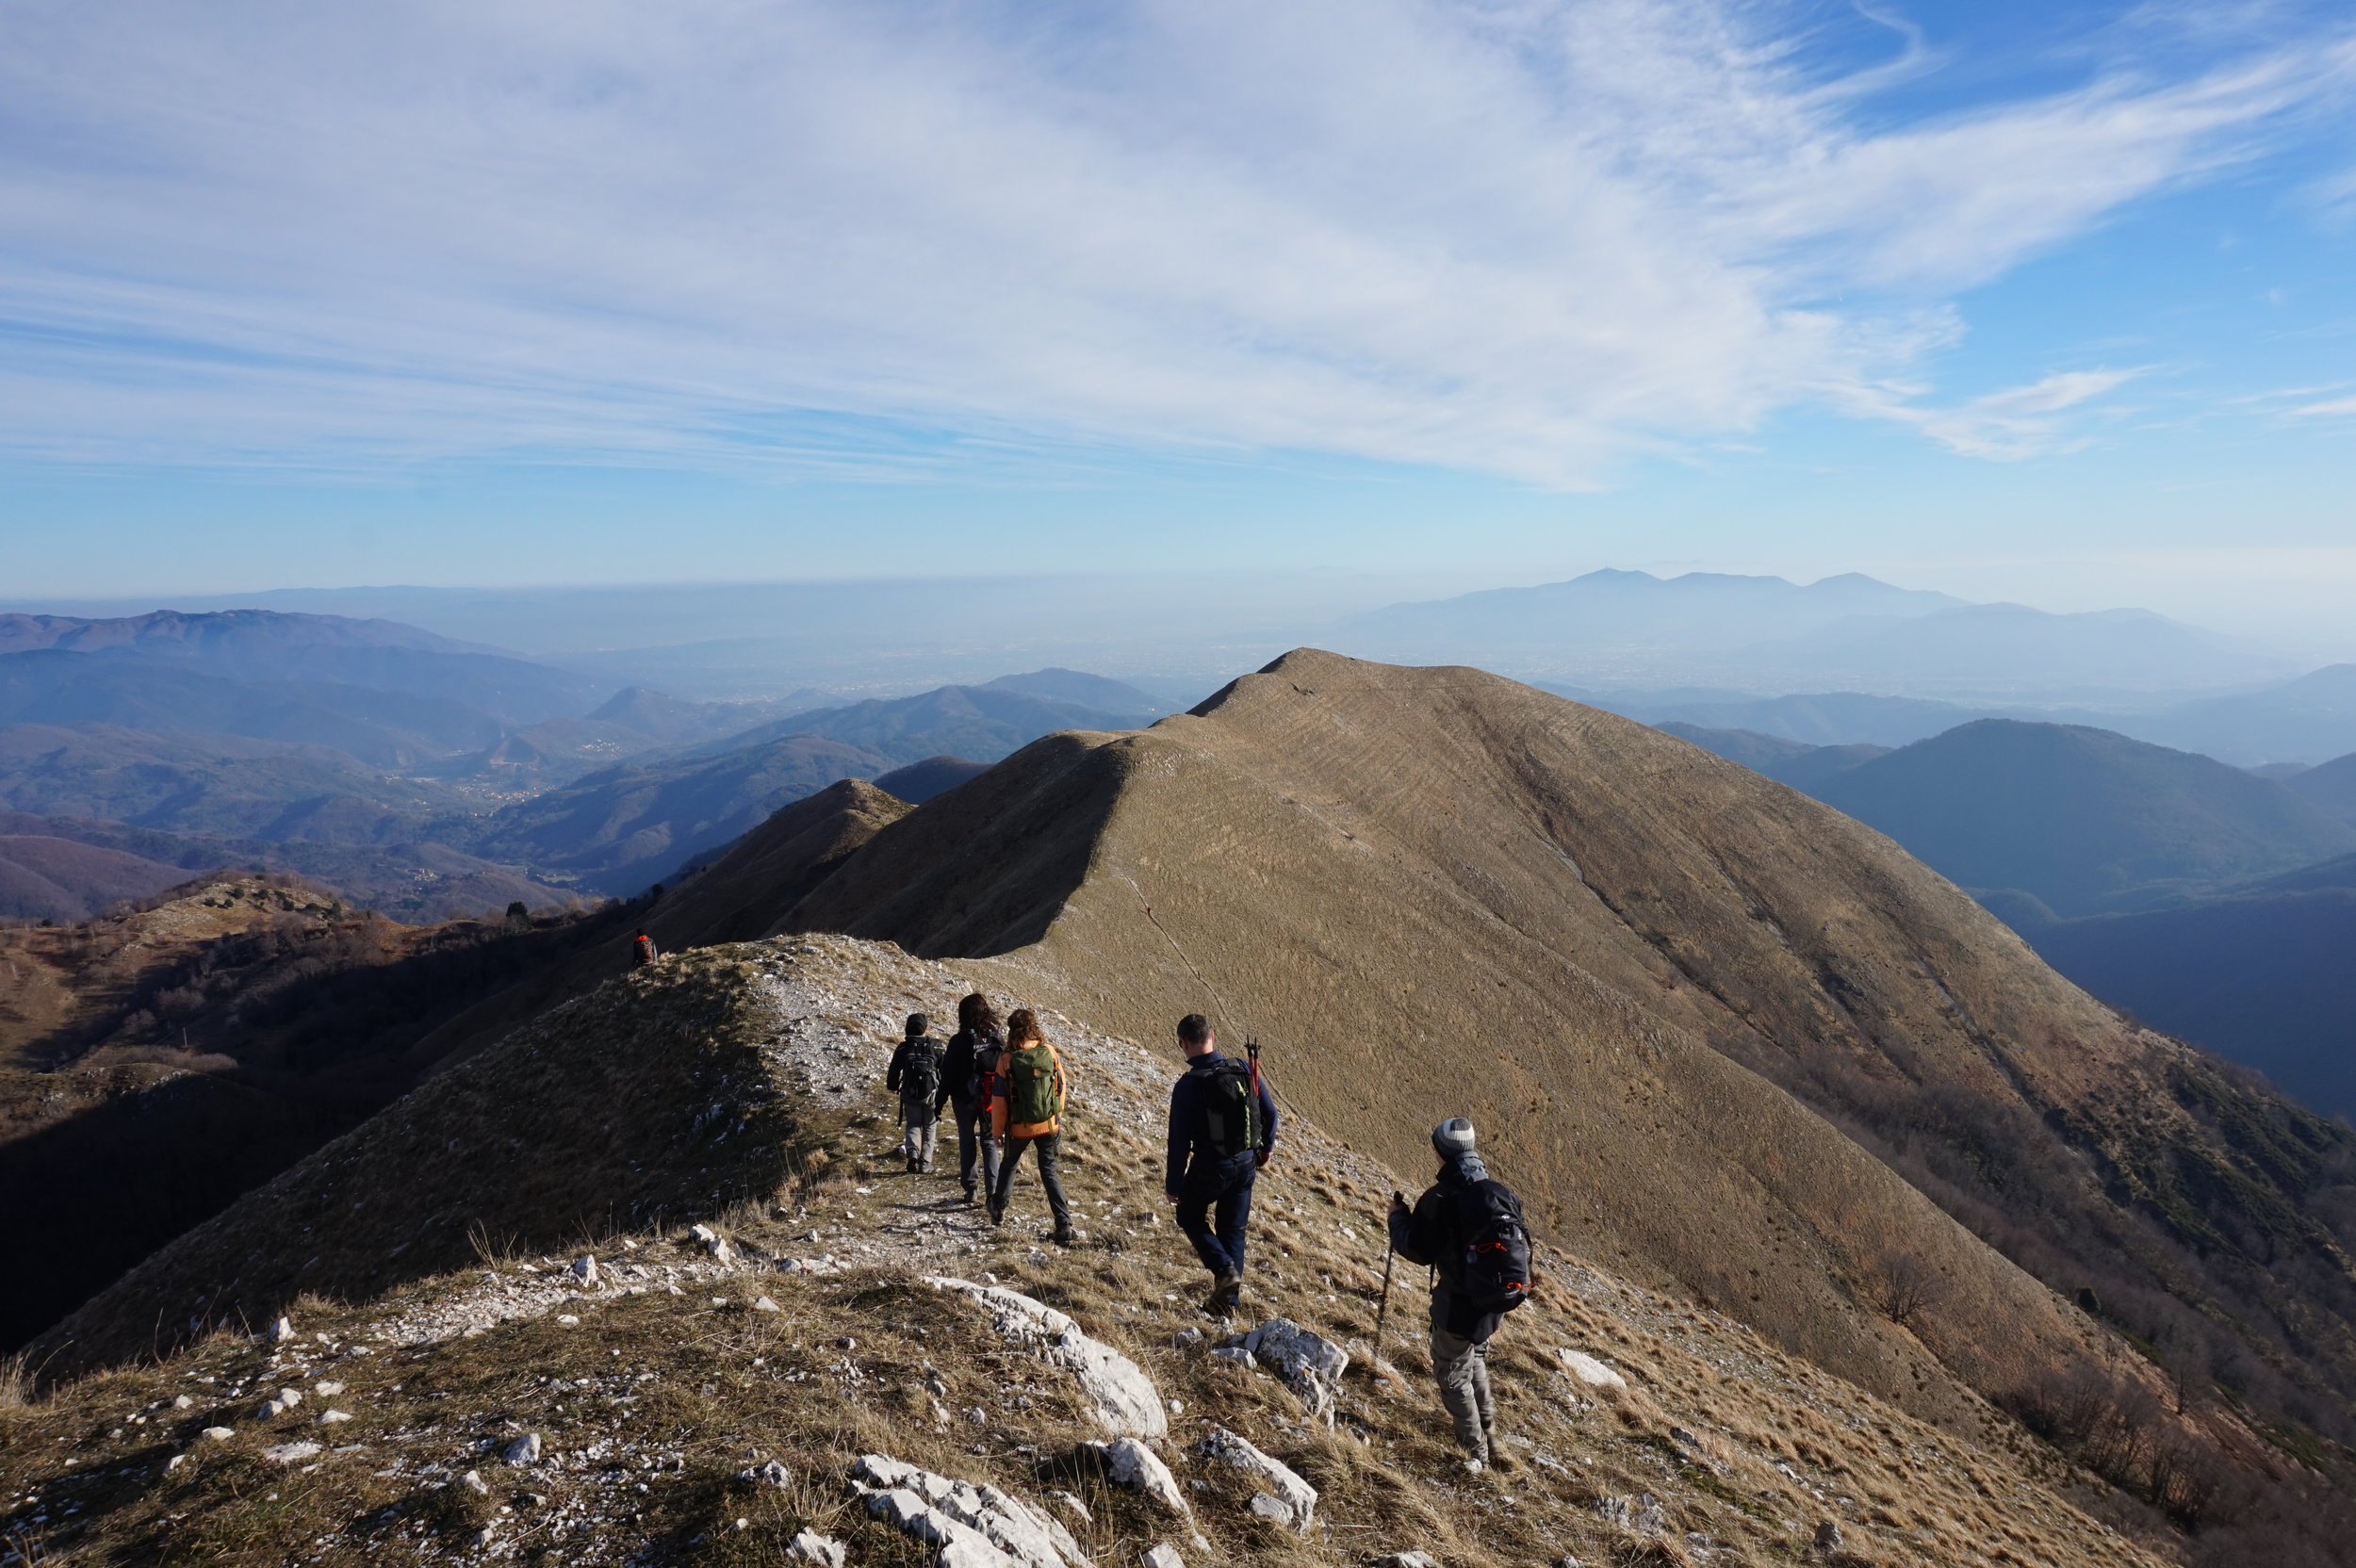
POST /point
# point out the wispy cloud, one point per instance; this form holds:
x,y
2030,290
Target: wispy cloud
x,y
2330,408
1513,235
2018,422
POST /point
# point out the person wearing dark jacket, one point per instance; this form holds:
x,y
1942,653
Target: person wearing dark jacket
x,y
1433,1233
967,1067
915,1071
1222,1129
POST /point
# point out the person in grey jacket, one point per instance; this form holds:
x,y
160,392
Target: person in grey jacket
x,y
1464,1213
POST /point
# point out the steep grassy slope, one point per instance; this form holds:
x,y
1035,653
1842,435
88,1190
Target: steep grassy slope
x,y
659,1388
1690,1001
157,1064
2080,818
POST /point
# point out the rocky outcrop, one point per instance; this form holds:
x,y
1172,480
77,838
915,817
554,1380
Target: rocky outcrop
x,y
1123,1398
1309,1363
1587,1369
968,1525
1288,1499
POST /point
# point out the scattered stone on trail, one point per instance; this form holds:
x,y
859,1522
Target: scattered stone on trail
x,y
1587,1369
280,1330
174,1463
585,1270
1294,1500
183,1402
762,1303
472,1480
332,1417
1130,1465
769,1472
712,1242
1072,1505
1122,1397
329,1389
809,1546
1406,1559
1650,1519
1186,1339
1828,1539
291,1453
1310,1363
969,1527
220,1434
524,1451
1238,1355
1615,1510
1164,1556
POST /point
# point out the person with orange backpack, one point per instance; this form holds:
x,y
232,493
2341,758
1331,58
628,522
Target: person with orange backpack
x,y
1027,1112
642,951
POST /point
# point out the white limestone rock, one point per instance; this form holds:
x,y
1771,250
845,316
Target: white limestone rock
x,y
1164,1556
1123,1398
712,1242
768,1473
1587,1369
1294,1499
291,1453
1310,1363
1406,1559
220,1434
585,1272
524,1451
280,1330
809,1546
968,1525
1132,1466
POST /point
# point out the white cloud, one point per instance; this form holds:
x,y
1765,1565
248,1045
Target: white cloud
x,y
2329,408
1512,235
2018,422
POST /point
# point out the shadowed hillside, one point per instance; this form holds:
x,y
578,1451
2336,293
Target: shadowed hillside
x,y
1738,1039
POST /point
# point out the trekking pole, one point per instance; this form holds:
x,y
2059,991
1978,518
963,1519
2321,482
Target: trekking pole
x,y
1383,1310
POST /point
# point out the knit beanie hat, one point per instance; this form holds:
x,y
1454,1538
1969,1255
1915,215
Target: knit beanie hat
x,y
1454,1136
918,1023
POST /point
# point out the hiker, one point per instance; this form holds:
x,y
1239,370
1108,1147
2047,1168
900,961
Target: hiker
x,y
642,951
915,1071
968,1067
1222,1129
1027,1112
1469,1229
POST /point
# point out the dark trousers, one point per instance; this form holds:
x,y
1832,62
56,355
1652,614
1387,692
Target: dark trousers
x,y
1048,1145
974,1145
1214,1209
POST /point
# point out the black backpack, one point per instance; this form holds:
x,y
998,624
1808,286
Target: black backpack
x,y
919,1077
1491,1261
986,1052
1231,1110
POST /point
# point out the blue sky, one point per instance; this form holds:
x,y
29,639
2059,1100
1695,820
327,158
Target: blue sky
x,y
2047,301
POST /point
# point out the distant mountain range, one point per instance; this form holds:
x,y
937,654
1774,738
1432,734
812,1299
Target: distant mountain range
x,y
619,829
413,772
1632,629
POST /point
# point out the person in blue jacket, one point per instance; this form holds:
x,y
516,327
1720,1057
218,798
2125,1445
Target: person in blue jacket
x,y
1222,1129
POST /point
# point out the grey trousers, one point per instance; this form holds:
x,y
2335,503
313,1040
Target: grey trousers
x,y
973,1146
919,1142
1462,1366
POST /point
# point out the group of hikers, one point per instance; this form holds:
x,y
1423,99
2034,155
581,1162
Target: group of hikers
x,y
1008,1086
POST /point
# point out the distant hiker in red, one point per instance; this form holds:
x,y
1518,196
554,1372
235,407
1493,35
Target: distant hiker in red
x,y
969,1066
642,950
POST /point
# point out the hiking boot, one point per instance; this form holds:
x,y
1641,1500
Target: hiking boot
x,y
1501,1458
1226,1295
1065,1236
968,1196
997,1212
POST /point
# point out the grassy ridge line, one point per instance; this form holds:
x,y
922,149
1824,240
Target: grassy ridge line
x,y
651,1404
